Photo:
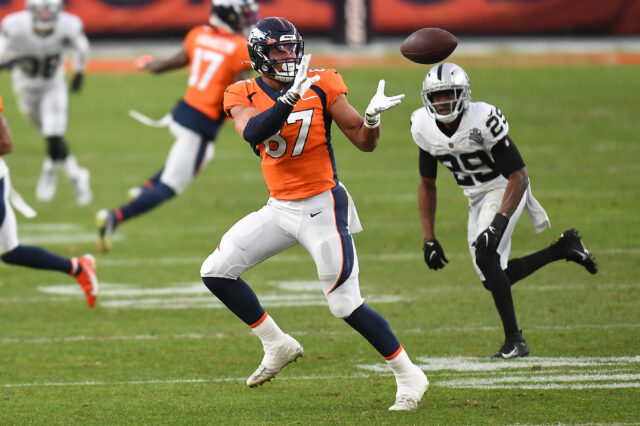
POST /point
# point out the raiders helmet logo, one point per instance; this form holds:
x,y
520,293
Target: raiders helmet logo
x,y
476,136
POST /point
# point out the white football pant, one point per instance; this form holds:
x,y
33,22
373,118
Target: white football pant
x,y
190,153
322,224
482,209
47,107
8,224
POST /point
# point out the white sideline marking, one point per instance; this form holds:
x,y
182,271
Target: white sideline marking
x,y
210,302
551,386
474,364
119,289
549,373
196,336
197,296
176,381
548,378
73,339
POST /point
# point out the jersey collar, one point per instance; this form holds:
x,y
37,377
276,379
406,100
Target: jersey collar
x,y
270,91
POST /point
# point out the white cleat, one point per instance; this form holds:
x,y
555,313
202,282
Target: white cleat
x,y
46,188
80,183
410,391
276,357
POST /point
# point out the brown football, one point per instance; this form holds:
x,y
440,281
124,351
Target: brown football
x,y
428,45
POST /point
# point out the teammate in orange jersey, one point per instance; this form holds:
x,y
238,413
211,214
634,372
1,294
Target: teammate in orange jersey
x,y
83,269
286,115
217,56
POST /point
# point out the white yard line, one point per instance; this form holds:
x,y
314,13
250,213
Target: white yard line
x,y
197,336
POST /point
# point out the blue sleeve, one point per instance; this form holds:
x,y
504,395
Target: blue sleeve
x,y
266,124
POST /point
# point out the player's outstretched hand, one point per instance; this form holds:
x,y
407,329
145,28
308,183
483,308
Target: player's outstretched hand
x,y
489,239
77,82
434,255
380,102
142,61
301,82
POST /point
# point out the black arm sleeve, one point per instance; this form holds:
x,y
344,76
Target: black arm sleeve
x,y
507,157
428,165
266,124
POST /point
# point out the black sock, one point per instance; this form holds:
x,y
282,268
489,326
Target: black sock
x,y
237,296
57,148
522,267
38,258
498,281
375,329
147,200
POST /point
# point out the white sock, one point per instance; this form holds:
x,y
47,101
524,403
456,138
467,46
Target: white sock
x,y
401,364
48,165
268,331
70,166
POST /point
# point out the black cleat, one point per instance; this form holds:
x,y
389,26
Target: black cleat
x,y
512,349
575,251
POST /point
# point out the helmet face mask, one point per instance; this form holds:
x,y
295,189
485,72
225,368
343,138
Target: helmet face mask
x,y
44,13
275,49
446,77
234,15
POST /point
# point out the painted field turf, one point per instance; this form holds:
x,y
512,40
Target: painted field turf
x,y
159,349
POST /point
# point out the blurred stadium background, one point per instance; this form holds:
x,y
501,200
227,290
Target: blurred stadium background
x,y
360,23
159,350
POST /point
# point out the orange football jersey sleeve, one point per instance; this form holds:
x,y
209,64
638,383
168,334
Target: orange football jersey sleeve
x,y
297,161
216,56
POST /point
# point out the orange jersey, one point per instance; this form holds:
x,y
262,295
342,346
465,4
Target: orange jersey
x,y
297,162
215,57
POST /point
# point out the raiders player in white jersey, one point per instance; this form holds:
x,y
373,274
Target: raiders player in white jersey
x,y
33,43
472,140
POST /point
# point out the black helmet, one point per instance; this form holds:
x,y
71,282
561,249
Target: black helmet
x,y
270,33
234,15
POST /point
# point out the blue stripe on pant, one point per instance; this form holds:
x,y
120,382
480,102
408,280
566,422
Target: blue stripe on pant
x,y
200,156
341,212
3,211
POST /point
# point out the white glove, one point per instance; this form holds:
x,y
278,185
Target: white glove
x,y
301,83
379,103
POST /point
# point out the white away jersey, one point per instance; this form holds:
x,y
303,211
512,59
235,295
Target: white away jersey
x,y
42,55
467,153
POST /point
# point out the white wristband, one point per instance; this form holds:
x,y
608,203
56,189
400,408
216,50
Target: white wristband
x,y
372,121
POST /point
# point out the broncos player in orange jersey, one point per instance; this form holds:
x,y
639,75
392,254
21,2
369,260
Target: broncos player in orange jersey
x,y
217,57
286,116
83,269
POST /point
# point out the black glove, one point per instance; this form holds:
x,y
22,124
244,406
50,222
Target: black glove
x,y
489,239
434,255
77,82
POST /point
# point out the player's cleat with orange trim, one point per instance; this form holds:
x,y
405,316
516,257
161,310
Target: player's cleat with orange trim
x,y
575,251
105,222
411,388
87,279
276,357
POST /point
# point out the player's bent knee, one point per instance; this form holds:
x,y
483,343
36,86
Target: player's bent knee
x,y
486,260
343,303
216,265
342,307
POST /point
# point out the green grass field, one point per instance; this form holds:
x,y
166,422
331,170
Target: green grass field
x,y
159,349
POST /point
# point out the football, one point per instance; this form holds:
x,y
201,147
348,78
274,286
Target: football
x,y
428,45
